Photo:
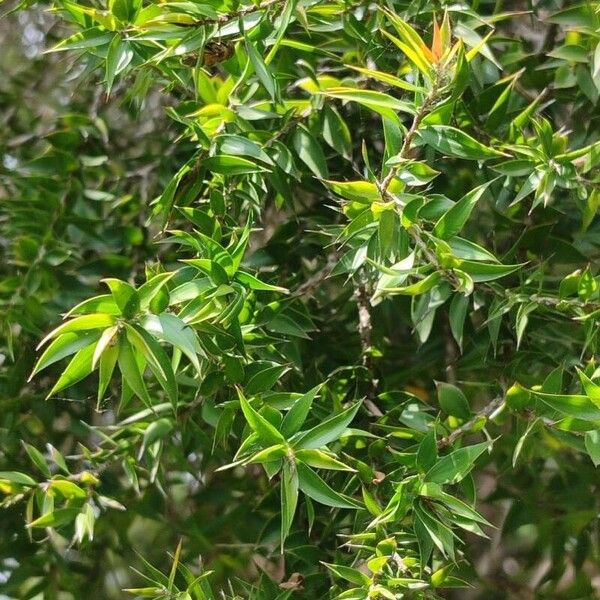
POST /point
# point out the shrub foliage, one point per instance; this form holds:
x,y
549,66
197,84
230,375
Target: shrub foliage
x,y
314,291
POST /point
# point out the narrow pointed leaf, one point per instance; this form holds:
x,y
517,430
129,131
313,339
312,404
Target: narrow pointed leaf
x,y
314,487
327,431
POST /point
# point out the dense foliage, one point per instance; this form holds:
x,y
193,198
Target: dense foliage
x,y
315,296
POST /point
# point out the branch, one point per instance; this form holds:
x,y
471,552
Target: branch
x,y
585,306
310,286
365,326
486,412
421,113
365,331
430,100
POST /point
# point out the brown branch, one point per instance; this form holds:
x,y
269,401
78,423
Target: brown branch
x,y
365,327
485,412
309,287
365,332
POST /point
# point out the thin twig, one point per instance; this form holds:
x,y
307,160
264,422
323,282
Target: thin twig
x,y
365,326
486,412
430,100
365,332
585,306
309,287
421,113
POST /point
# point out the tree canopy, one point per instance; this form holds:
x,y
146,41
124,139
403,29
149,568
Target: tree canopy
x,y
299,299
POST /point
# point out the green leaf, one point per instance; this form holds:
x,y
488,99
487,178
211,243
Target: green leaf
x,y
190,290
570,53
415,289
131,371
65,488
455,466
480,271
451,223
453,142
118,57
580,15
289,498
592,445
592,390
258,423
108,338
314,487
173,330
379,102
79,367
467,250
151,288
522,319
93,321
262,70
98,304
16,477
458,507
63,346
125,10
515,167
262,376
457,315
310,152
439,533
521,442
157,430
232,165
411,38
414,173
321,460
37,458
235,145
336,132
349,574
256,284
94,37
212,268
587,287
415,55
269,455
553,384
287,14
56,518
295,417
387,232
163,205
394,277
58,458
329,430
387,78
107,362
364,192
452,401
427,452
157,359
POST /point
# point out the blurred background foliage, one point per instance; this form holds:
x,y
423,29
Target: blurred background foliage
x,y
236,134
